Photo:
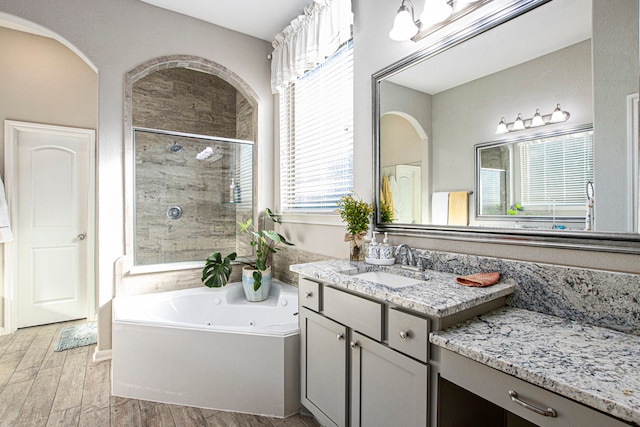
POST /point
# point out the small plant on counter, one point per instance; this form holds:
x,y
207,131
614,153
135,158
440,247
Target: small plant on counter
x,y
357,214
515,209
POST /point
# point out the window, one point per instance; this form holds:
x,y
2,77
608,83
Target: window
x,y
555,171
316,136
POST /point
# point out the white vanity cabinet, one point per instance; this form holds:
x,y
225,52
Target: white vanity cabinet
x,y
351,374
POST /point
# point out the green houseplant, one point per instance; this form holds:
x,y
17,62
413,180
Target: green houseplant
x,y
357,214
255,275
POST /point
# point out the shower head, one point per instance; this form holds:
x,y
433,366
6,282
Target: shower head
x,y
209,154
176,148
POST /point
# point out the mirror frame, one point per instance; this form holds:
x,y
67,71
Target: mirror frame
x,y
628,243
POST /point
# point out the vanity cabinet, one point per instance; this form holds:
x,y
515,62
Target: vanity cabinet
x,y
351,375
521,404
324,367
387,388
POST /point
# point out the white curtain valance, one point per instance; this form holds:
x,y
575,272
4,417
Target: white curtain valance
x,y
309,40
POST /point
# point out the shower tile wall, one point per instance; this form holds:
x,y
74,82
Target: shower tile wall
x,y
183,100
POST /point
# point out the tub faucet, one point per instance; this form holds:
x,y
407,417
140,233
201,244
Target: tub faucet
x,y
408,257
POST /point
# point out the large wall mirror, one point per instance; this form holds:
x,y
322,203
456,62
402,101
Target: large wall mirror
x,y
443,168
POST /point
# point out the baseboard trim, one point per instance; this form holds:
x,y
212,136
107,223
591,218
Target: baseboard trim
x,y
101,355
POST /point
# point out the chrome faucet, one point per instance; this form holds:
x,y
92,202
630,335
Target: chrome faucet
x,y
408,257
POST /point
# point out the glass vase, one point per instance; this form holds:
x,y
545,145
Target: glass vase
x,y
356,253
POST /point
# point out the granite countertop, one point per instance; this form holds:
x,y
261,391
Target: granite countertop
x,y
596,366
439,296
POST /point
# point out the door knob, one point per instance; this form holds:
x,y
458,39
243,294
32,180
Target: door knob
x,y
81,236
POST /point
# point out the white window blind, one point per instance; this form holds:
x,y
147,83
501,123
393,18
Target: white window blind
x,y
556,170
316,136
492,191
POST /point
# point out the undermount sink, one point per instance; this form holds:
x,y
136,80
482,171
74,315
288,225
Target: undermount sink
x,y
388,279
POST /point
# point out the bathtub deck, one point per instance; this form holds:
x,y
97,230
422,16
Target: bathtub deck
x,y
39,387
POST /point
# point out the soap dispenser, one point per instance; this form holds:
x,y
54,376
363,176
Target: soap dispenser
x,y
374,248
386,251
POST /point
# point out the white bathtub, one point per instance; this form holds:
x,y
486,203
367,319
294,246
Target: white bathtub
x,y
209,348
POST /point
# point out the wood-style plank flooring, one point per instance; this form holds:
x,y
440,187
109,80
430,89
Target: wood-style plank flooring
x,y
40,387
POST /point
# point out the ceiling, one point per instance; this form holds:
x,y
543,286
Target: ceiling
x,y
258,18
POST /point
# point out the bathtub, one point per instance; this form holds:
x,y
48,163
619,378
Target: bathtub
x,y
209,348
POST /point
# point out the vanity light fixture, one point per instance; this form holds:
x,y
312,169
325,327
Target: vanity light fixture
x,y
405,27
558,116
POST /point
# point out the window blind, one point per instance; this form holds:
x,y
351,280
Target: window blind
x,y
556,171
316,136
492,191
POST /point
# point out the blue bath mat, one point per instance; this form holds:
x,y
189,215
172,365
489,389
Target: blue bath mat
x,y
77,336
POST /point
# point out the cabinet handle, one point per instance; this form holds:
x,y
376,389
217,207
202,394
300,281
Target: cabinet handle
x,y
404,335
340,336
549,412
354,344
308,294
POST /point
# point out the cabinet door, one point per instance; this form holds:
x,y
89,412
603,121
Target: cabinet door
x,y
387,388
324,368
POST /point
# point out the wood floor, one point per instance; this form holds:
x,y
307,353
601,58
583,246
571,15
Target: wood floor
x,y
40,387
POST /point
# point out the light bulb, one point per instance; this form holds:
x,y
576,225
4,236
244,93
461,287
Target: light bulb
x,y
537,120
502,127
558,115
435,11
519,123
403,26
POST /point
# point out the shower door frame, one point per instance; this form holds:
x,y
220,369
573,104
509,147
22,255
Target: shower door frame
x,y
130,224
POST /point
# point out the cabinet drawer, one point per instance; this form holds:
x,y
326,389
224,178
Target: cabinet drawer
x,y
309,294
494,386
409,334
355,312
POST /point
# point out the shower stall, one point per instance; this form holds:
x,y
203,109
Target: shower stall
x,y
190,191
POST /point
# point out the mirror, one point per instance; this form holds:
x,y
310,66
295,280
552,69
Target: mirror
x,y
541,181
435,110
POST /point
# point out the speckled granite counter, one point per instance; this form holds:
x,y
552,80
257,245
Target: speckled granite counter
x,y
439,296
596,366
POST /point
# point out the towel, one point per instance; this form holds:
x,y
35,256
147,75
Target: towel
x,y
479,280
458,208
440,208
386,195
5,226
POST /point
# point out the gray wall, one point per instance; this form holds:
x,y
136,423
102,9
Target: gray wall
x,y
468,114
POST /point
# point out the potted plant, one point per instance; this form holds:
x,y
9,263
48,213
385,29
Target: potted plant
x,y
357,214
256,276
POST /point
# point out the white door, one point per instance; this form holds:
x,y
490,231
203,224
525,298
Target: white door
x,y
53,194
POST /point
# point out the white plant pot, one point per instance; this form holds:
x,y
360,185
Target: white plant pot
x,y
247,283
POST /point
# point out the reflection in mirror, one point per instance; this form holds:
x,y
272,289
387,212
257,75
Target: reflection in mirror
x,y
190,192
433,110
538,182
